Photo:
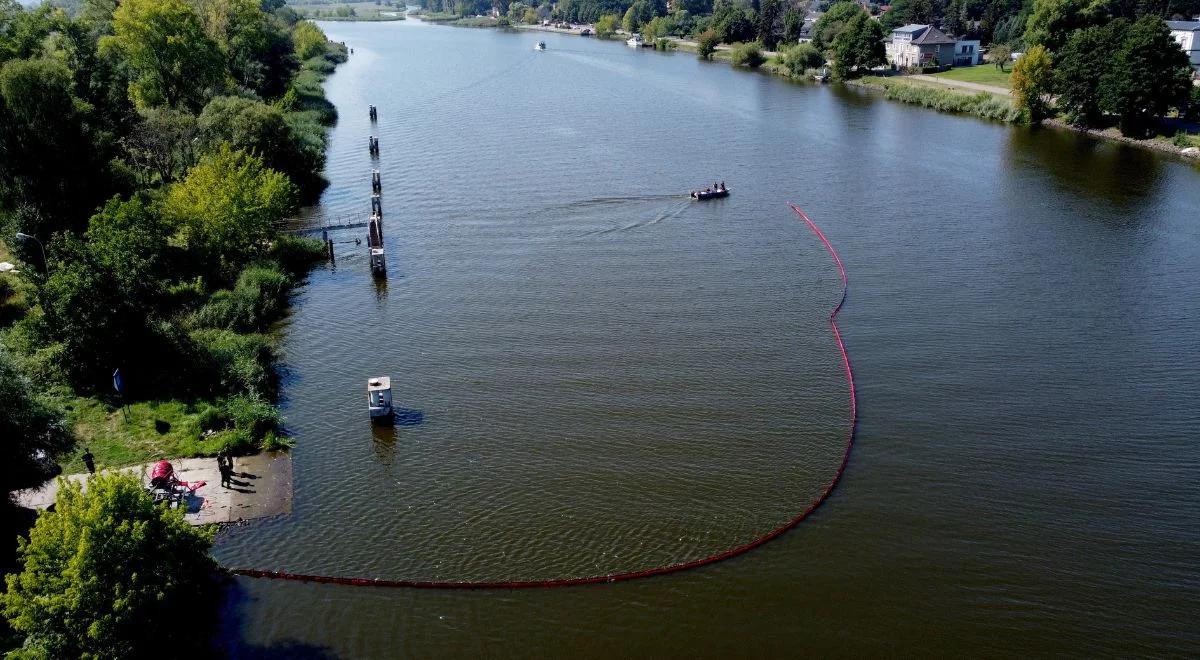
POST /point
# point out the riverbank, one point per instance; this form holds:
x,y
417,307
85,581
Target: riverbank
x,y
983,98
984,105
201,375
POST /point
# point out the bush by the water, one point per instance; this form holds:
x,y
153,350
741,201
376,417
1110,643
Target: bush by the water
x,y
987,106
255,300
749,55
800,58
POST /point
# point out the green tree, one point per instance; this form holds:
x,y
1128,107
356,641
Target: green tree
x,y
516,11
639,13
706,43
606,25
768,19
260,129
163,43
30,425
161,144
832,22
53,160
1052,21
1080,66
793,23
858,47
1148,75
734,21
256,44
109,574
1000,55
308,39
99,300
1031,82
227,207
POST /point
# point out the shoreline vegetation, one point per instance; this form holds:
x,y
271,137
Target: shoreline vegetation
x,y
975,91
166,264
323,10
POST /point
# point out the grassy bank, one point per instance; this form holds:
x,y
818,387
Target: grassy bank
x,y
983,105
983,74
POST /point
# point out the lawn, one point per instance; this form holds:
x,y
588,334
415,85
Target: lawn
x,y
153,430
983,74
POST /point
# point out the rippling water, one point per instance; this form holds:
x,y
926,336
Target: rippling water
x,y
598,374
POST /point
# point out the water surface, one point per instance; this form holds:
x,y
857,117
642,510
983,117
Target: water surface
x,y
600,375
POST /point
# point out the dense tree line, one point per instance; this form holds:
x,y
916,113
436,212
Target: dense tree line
x,y
152,146
1101,67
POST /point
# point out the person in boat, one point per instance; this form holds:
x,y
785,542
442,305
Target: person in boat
x,y
722,186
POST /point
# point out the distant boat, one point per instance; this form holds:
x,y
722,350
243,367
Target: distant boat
x,y
541,45
635,41
710,193
585,32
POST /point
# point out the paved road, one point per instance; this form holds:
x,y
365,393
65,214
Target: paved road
x,y
977,87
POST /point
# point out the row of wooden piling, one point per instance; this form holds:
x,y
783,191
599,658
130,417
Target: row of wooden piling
x,y
375,226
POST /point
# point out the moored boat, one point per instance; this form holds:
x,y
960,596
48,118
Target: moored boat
x,y
635,41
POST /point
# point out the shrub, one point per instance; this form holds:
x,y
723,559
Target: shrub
x,y
256,300
800,58
749,54
252,415
706,43
297,253
275,442
242,363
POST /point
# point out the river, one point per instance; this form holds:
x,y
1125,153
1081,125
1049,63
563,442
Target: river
x,y
596,374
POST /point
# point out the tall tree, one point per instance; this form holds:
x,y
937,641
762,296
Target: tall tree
x,y
227,207
1080,66
793,24
163,42
768,19
53,162
1148,75
858,47
832,22
1052,21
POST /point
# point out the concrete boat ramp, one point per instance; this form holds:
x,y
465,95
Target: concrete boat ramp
x,y
261,487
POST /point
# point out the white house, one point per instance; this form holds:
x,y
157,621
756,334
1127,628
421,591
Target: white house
x,y
1187,35
916,45
966,52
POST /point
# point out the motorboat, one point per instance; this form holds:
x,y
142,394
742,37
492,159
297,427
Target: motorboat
x,y
711,193
541,45
635,41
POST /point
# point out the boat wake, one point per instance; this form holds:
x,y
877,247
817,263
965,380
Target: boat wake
x,y
664,214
